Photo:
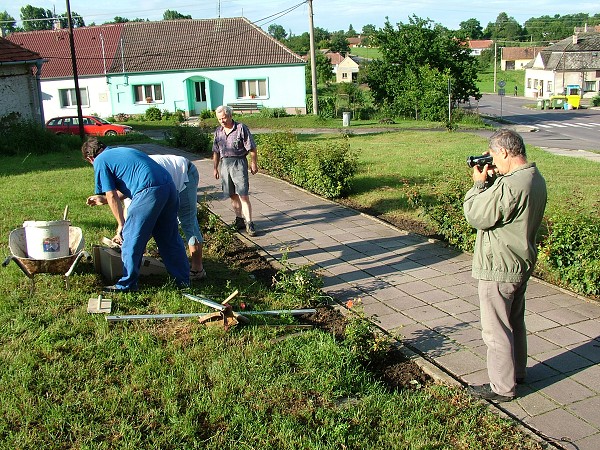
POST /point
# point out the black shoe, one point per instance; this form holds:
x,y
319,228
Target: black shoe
x,y
250,229
239,223
485,391
520,380
115,289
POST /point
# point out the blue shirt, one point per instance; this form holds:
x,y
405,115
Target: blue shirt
x,y
127,170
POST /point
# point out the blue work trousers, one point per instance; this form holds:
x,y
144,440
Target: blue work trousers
x,y
153,213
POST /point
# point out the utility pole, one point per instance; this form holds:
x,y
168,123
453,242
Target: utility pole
x,y
495,55
75,78
313,59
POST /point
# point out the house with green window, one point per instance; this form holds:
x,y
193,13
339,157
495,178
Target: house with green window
x,y
189,65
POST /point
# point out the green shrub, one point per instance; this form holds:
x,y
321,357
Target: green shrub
x,y
596,100
323,168
193,139
571,249
153,114
272,113
446,211
207,114
22,137
326,105
278,153
326,168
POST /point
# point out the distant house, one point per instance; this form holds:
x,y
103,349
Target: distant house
x,y
354,41
572,61
19,81
477,46
516,58
347,70
189,65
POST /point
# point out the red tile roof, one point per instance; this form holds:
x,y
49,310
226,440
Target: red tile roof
x,y
157,46
483,43
11,52
515,53
94,48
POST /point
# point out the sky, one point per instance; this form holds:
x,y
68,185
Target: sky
x,y
331,15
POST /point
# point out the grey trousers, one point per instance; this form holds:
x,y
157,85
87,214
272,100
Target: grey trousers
x,y
502,308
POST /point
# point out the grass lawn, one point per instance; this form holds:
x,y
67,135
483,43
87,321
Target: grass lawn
x,y
71,380
395,166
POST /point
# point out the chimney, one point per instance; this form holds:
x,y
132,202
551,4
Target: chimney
x,y
575,38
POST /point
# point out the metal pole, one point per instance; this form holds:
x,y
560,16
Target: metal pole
x,y
313,62
75,78
495,54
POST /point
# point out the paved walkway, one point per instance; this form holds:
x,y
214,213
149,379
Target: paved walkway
x,y
423,292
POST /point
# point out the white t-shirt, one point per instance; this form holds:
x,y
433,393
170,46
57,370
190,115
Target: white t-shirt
x,y
176,166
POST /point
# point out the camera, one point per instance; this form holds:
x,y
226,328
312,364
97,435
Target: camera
x,y
480,161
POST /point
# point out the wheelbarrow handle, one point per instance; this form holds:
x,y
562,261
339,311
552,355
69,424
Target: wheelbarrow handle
x,y
7,261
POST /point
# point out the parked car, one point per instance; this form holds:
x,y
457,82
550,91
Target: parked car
x,y
92,125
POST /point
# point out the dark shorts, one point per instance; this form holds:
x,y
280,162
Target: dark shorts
x,y
234,176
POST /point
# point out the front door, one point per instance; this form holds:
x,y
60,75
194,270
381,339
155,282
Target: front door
x,y
199,96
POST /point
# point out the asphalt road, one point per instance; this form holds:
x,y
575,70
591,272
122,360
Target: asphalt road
x,y
576,129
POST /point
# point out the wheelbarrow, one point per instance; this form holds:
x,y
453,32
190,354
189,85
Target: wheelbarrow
x,y
62,265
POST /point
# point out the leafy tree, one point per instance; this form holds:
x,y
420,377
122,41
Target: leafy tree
x,y
76,20
277,31
339,43
36,18
299,44
324,71
7,23
471,29
174,15
351,32
119,19
369,29
546,28
418,58
504,29
321,34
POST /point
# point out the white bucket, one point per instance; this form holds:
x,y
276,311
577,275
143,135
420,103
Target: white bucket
x,y
47,240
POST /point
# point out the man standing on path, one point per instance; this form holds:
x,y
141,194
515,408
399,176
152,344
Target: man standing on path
x,y
153,210
232,143
507,211
186,178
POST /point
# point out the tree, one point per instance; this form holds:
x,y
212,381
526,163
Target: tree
x,y
174,15
471,29
324,71
7,23
418,59
504,29
339,43
277,31
299,44
36,18
76,20
119,19
351,32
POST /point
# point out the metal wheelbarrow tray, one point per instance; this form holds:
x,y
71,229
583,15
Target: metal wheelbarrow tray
x,y
63,265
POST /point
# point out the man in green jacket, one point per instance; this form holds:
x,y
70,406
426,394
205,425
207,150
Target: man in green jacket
x,y
506,205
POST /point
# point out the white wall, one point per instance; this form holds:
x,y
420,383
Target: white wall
x,y
18,92
98,96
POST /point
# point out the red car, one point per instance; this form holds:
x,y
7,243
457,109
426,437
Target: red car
x,y
92,125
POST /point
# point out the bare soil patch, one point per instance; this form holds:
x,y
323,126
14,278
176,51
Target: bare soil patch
x,y
395,370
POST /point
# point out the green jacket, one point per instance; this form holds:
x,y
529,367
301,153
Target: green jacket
x,y
507,216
